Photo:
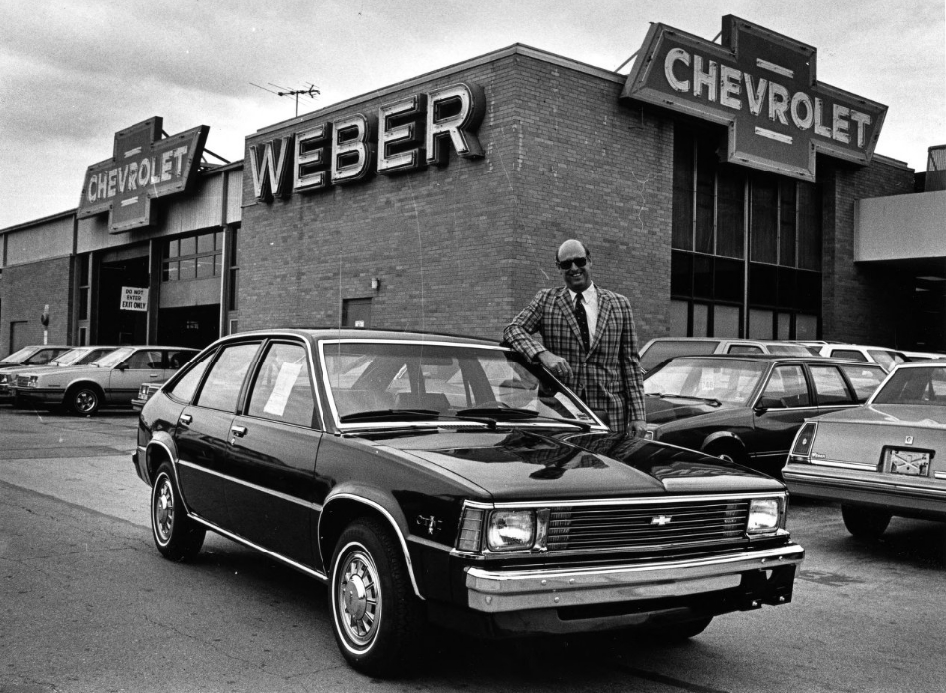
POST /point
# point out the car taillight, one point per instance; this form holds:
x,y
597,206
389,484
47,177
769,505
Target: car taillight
x,y
801,448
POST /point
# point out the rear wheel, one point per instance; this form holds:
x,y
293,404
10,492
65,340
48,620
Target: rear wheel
x,y
376,617
865,523
84,400
177,537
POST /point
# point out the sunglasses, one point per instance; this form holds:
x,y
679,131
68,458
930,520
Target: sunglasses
x,y
567,264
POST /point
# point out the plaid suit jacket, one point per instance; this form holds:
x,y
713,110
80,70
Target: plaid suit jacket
x,y
607,377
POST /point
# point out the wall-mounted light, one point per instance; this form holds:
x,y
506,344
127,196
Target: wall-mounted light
x,y
375,283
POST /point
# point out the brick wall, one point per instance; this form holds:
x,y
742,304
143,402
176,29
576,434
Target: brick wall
x,y
860,303
24,291
464,247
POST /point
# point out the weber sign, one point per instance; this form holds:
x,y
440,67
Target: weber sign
x,y
134,298
763,86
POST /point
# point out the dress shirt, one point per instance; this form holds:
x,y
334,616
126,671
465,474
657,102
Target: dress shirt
x,y
590,301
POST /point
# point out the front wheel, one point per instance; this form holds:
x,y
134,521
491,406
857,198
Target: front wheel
x,y
84,400
375,616
177,537
865,523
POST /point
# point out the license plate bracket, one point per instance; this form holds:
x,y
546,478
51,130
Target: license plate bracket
x,y
907,462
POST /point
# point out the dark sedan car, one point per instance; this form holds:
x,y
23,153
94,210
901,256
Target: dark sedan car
x,y
747,409
431,477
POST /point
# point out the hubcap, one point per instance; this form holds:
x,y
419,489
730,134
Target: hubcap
x,y
85,400
164,510
359,598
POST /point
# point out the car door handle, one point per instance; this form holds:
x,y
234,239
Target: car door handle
x,y
186,418
238,431
155,375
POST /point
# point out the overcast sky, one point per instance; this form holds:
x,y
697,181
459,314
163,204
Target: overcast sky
x,y
74,73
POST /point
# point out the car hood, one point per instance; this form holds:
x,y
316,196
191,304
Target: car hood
x,y
531,464
933,416
661,410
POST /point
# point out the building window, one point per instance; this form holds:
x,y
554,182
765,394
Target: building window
x,y
84,286
193,257
746,248
356,312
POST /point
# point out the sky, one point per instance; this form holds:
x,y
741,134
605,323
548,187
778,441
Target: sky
x,y
74,73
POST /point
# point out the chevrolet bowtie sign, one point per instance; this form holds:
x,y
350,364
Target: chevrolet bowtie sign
x,y
144,166
763,86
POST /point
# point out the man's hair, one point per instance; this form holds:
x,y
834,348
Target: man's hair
x,y
583,247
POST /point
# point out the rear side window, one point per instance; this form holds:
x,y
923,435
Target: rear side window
x,y
786,388
222,387
830,387
185,388
884,358
744,349
850,354
661,351
281,391
864,380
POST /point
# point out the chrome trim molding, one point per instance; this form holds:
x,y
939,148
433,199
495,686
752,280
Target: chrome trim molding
x,y
272,554
495,591
429,544
390,518
624,501
283,496
877,483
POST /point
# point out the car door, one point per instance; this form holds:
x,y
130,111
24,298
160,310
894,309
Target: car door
x,y
272,452
203,429
778,412
143,366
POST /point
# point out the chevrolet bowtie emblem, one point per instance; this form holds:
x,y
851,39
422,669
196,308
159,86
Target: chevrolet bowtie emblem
x,y
660,520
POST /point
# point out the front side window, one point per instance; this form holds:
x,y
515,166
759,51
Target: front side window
x,y
786,388
282,389
185,388
145,359
221,390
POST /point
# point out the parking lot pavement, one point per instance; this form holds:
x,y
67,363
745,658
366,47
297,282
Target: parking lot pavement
x,y
84,461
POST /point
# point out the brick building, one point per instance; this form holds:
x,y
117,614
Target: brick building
x,y
525,150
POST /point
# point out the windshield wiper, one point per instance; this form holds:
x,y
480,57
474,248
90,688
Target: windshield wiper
x,y
515,414
390,415
710,400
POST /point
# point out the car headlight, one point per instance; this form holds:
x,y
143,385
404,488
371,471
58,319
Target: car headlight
x,y
3,379
510,530
33,381
765,515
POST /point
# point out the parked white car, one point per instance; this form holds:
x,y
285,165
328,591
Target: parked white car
x,y
887,358
660,349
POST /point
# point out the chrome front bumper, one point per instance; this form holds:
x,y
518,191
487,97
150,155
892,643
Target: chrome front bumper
x,y
494,591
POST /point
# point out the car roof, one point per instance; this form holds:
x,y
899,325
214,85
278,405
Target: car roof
x,y
321,333
787,358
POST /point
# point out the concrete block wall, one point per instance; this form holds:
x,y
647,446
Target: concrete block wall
x,y
25,290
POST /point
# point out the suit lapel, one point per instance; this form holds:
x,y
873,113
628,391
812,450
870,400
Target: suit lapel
x,y
604,314
563,303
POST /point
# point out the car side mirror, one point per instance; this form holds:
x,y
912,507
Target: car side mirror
x,y
766,403
122,366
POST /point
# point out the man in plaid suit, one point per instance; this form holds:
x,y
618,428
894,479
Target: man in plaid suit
x,y
588,341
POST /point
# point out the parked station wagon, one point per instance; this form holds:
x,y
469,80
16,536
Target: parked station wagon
x,y
747,409
112,380
432,477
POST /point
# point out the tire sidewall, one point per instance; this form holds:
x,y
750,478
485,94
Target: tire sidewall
x,y
164,476
73,399
349,546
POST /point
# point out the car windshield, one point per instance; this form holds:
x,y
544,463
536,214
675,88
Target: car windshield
x,y
76,357
115,358
21,355
732,382
408,381
925,386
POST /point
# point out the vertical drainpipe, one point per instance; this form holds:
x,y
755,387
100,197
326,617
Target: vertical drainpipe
x,y
154,289
225,253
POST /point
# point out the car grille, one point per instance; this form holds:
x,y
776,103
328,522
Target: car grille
x,y
22,380
646,526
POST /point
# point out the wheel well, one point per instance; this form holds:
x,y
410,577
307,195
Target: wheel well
x,y
727,444
156,454
92,386
335,518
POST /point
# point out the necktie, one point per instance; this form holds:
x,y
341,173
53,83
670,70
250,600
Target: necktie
x,y
582,319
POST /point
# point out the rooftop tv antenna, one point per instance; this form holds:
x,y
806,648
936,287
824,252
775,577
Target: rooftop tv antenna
x,y
311,91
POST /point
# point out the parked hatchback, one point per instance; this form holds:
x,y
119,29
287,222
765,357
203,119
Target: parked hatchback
x,y
112,380
432,477
662,348
747,409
